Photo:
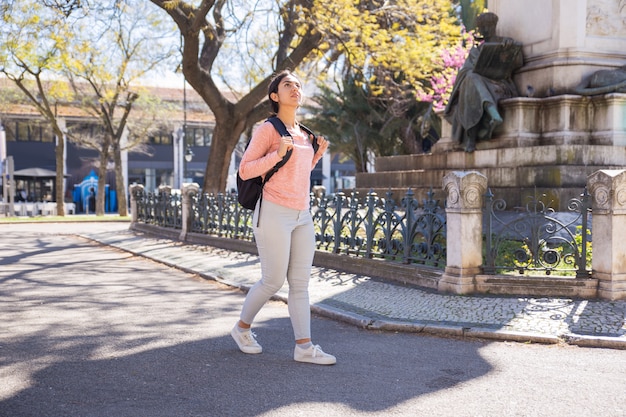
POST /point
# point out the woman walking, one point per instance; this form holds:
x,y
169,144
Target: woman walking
x,y
283,227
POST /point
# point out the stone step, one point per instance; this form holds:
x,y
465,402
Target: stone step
x,y
581,155
538,176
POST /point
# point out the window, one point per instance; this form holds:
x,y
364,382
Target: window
x,y
198,136
28,131
84,131
161,138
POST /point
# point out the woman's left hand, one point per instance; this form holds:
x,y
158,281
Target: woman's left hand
x,y
323,143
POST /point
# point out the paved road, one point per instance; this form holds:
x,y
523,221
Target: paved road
x,y
89,330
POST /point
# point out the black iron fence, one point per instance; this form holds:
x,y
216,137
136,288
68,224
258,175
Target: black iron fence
x,y
371,227
160,209
530,241
536,239
375,227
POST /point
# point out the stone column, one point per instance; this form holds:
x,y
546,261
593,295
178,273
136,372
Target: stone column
x,y
464,230
188,191
164,189
133,190
608,192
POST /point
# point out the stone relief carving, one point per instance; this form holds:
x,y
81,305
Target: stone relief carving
x,y
603,82
608,191
189,190
606,18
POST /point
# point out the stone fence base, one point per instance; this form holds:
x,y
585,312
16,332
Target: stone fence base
x,y
465,191
422,276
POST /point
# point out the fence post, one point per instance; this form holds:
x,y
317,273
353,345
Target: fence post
x,y
134,214
464,230
187,193
608,192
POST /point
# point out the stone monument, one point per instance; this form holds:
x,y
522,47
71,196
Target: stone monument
x,y
568,121
481,83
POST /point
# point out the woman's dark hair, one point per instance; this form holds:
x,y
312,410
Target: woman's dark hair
x,y
273,87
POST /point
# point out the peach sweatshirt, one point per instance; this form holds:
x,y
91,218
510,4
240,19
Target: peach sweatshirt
x,y
290,185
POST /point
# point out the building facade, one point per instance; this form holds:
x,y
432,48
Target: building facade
x,y
177,153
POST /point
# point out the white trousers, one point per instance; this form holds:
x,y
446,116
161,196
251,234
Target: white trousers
x,y
285,239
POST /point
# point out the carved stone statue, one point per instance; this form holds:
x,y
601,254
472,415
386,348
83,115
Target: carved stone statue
x,y
484,79
603,82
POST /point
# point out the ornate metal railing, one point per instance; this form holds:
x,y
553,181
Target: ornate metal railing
x,y
378,228
161,209
221,215
538,239
371,227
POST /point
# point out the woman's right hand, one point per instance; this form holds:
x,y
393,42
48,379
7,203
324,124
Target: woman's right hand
x,y
286,143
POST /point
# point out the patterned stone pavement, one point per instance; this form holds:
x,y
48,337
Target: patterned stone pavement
x,y
376,304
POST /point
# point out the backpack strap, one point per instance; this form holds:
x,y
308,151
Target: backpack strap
x,y
282,129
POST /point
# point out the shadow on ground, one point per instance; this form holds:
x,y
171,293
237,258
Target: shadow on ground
x,y
211,377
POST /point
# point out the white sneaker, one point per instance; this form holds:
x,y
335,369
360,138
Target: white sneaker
x,y
246,341
314,354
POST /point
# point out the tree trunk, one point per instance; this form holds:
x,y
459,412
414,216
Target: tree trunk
x,y
122,205
225,137
102,172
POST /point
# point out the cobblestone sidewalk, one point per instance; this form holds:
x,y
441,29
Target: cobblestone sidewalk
x,y
375,304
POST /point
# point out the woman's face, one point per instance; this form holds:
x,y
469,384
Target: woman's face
x,y
289,92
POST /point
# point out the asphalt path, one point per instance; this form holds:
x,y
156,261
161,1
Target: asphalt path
x,y
88,330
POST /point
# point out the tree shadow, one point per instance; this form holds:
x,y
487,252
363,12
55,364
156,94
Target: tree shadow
x,y
104,333
211,377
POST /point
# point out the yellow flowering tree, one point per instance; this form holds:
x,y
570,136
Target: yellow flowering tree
x,y
35,41
233,39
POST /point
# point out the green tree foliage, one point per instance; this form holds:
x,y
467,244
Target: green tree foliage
x,y
469,10
392,43
345,114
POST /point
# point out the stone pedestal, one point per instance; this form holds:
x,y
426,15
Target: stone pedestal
x,y
608,190
465,191
187,193
134,190
546,146
564,40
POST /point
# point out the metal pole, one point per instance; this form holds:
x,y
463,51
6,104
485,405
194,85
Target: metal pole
x,y
11,181
3,156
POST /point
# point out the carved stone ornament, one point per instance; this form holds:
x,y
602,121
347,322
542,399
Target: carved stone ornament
x,y
608,190
135,187
165,189
190,190
135,190
465,190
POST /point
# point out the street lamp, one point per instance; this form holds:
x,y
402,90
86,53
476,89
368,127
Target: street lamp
x,y
188,157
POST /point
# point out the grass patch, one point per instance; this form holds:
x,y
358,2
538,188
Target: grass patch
x,y
73,218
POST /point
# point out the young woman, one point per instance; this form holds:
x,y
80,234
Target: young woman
x,y
284,232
